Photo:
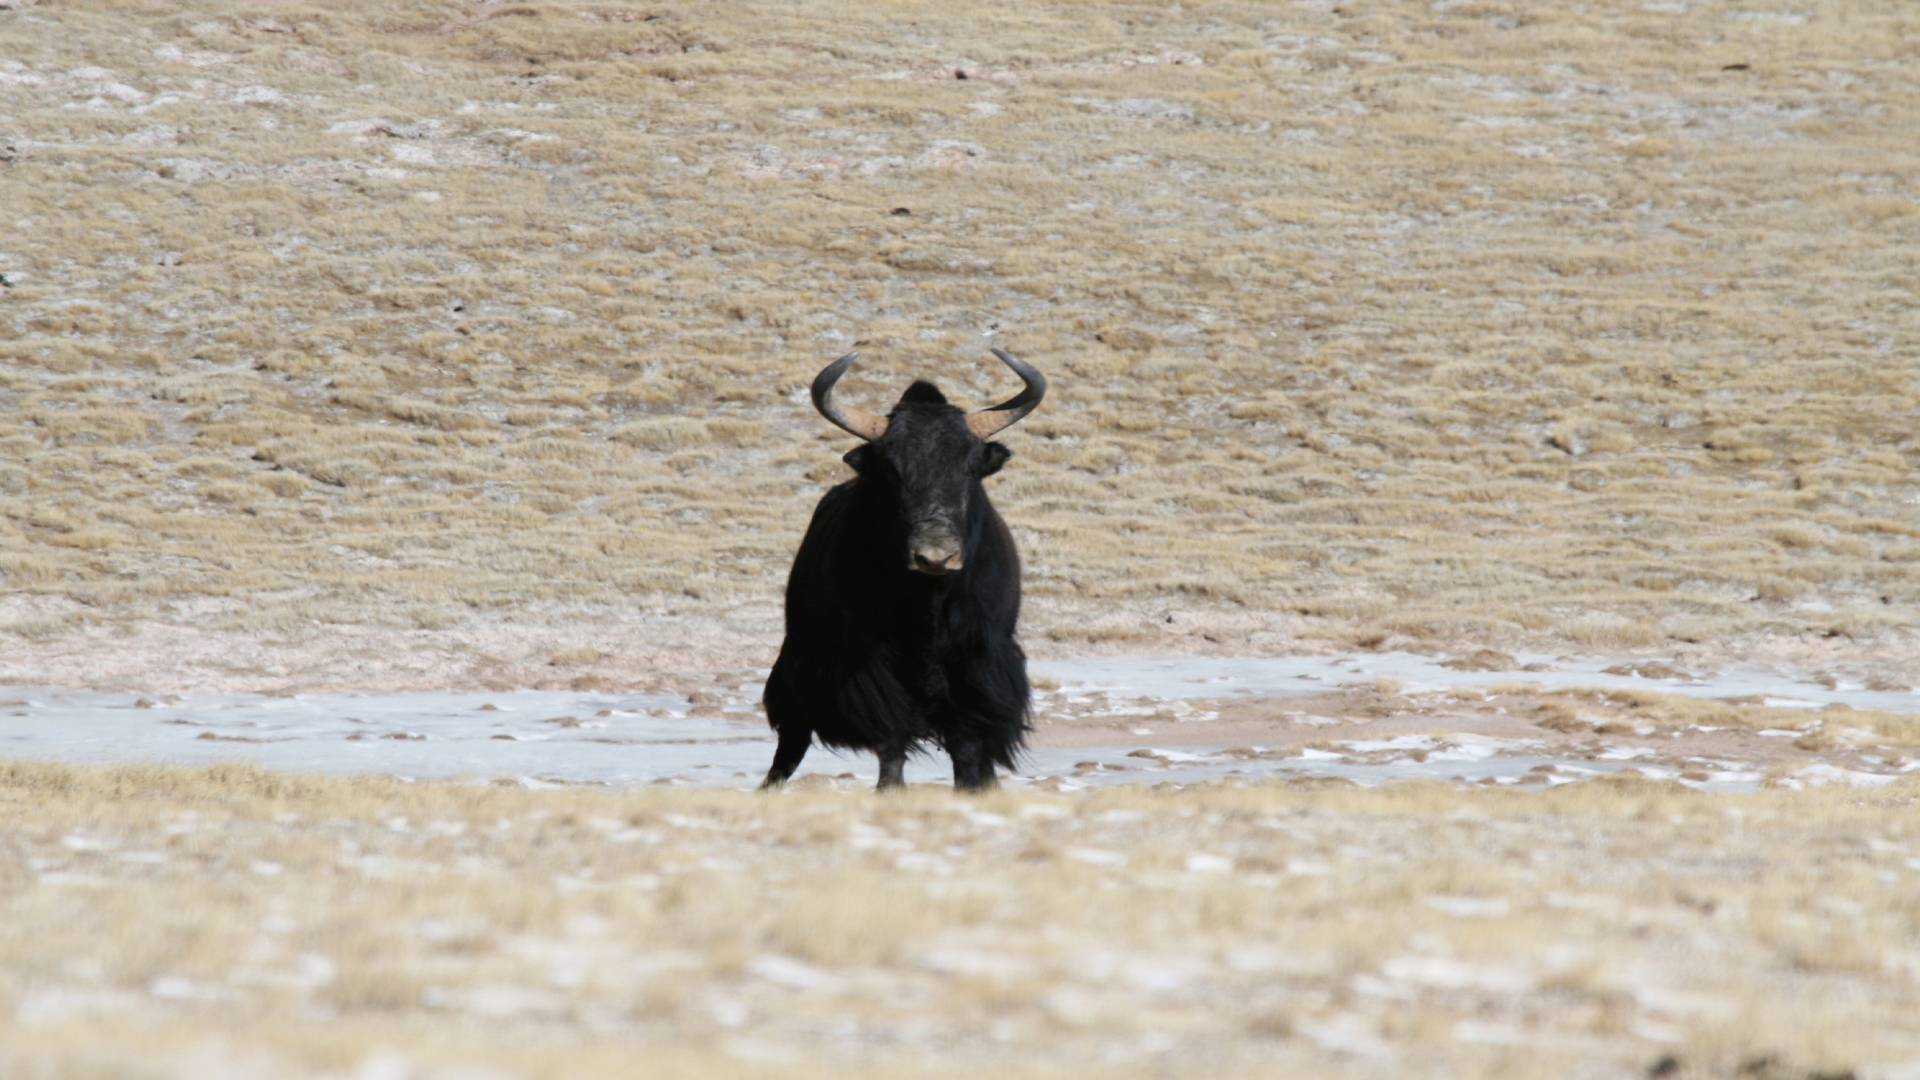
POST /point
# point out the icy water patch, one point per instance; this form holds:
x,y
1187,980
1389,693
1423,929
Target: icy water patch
x,y
1176,678
629,740
546,737
592,738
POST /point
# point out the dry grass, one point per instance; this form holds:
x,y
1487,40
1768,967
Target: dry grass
x,y
235,920
1401,321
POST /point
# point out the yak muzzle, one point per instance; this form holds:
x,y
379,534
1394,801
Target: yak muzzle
x,y
935,554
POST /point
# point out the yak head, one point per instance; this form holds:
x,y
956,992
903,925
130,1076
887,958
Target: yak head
x,y
929,456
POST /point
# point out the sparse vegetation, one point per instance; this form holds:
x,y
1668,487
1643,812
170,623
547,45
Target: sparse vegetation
x,y
306,926
444,343
1418,323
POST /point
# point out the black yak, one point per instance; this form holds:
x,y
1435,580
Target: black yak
x,y
904,596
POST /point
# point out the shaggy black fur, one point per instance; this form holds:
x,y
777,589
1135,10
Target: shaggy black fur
x,y
880,657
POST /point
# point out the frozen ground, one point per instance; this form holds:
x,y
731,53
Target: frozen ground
x,y
1101,720
1189,677
187,922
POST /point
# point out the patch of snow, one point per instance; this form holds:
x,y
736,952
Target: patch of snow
x,y
258,95
1446,973
1401,742
1469,907
793,974
1347,1033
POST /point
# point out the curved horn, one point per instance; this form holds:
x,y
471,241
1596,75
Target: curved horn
x,y
988,422
858,421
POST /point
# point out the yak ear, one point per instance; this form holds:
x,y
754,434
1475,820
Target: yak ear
x,y
996,456
859,457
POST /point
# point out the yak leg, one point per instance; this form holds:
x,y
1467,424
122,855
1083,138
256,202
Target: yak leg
x,y
972,768
794,741
893,764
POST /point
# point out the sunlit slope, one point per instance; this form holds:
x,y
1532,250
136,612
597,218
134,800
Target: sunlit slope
x,y
1415,319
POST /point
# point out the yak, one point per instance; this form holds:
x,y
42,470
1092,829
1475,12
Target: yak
x,y
905,593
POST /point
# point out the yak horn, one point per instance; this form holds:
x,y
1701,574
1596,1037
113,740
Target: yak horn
x,y
989,422
858,421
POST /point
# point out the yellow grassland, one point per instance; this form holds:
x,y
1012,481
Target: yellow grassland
x,y
234,920
1409,322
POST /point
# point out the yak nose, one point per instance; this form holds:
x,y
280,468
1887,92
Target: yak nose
x,y
936,557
